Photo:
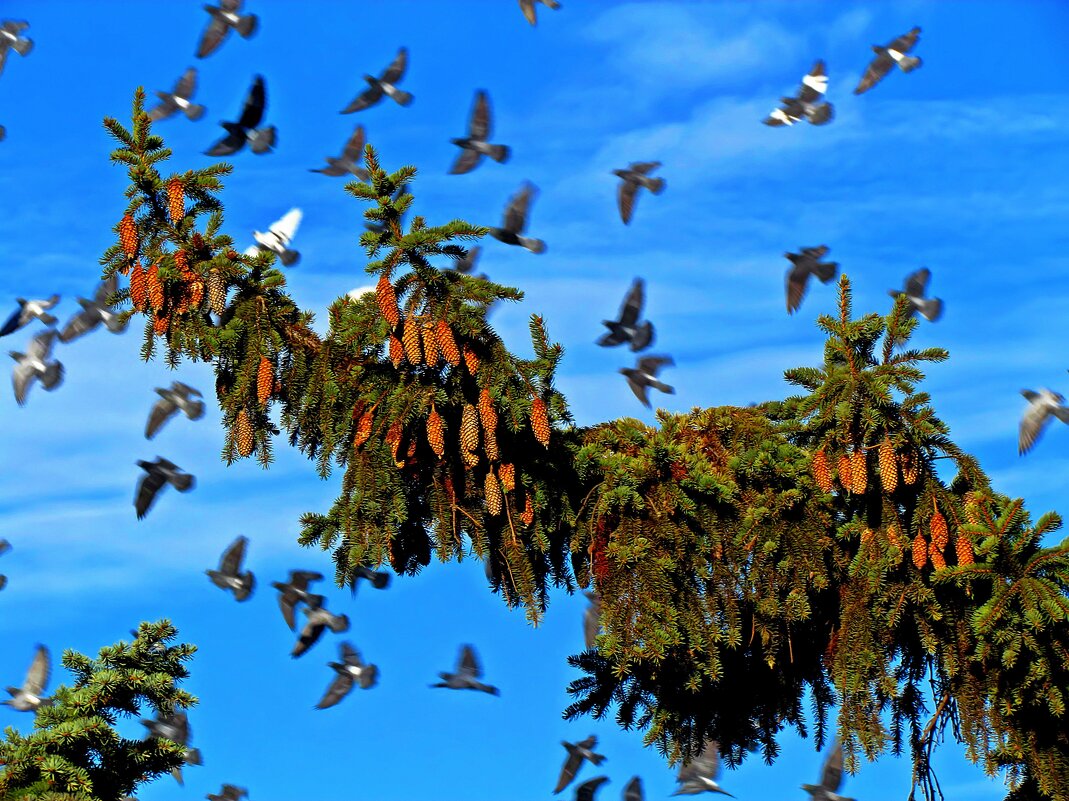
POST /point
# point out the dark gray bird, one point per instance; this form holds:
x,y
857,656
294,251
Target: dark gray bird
x,y
467,264
477,143
894,52
591,619
33,365
1041,405
350,158
3,133
916,286
158,474
626,328
260,140
28,309
636,175
228,577
804,104
699,775
5,546
469,671
528,7
293,592
378,579
380,228
318,619
11,39
30,696
633,791
175,728
278,238
803,265
385,84
180,397
351,670
178,99
831,778
94,312
643,376
224,17
229,792
586,790
577,752
515,221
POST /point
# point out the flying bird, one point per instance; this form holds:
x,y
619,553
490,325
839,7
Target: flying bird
x,y
278,238
224,17
636,175
3,133
385,84
591,619
228,577
229,792
293,592
1041,405
28,309
831,778
378,579
349,160
626,328
33,365
30,696
643,376
178,99
468,673
174,727
515,221
477,143
528,7
180,397
699,775
5,546
158,474
466,263
260,140
633,791
586,790
94,312
577,752
11,39
894,52
803,264
318,619
351,670
804,104
916,286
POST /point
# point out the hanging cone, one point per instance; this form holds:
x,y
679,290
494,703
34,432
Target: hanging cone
x,y
938,561
507,474
410,339
939,531
844,473
363,429
528,512
963,550
138,290
431,351
153,287
176,200
397,351
469,429
160,323
859,472
436,433
128,236
492,492
920,551
446,343
393,439
540,421
908,460
471,361
387,300
216,291
888,466
264,380
821,473
243,433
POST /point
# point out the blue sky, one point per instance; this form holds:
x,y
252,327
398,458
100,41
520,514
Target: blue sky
x,y
956,167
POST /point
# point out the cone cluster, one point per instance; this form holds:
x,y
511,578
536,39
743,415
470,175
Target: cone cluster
x,y
432,351
471,361
154,287
447,343
507,474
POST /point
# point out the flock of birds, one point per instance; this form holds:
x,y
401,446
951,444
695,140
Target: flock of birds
x,y
37,364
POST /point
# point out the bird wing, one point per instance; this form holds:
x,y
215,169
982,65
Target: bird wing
x,y
639,388
354,148
877,69
644,167
233,6
186,85
255,102
905,42
212,37
479,123
105,289
286,602
41,345
338,689
309,636
1032,424
367,98
39,672
832,776
185,389
568,770
917,283
468,663
632,306
230,564
586,790
467,263
466,161
15,25
79,325
797,279
652,364
12,323
147,487
300,578
396,70
625,199
633,791
528,8
516,213
814,84
709,759
285,228
350,655
162,411
20,379
229,144
164,109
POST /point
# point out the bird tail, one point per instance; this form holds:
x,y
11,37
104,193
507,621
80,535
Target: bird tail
x,y
246,26
53,376
1062,413
826,271
289,257
194,111
597,759
263,139
48,319
116,324
22,46
193,757
183,483
643,337
656,185
663,387
402,97
932,309
820,115
370,677
500,153
552,4
196,410
909,63
340,624
533,245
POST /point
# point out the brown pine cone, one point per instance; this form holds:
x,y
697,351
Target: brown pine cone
x,y
938,561
196,294
528,512
396,351
154,287
450,492
410,339
507,474
920,551
866,536
128,235
888,466
446,343
908,460
436,433
859,472
469,429
490,446
431,351
471,361
138,289
216,291
964,550
487,412
894,536
492,491
160,323
363,430
243,433
181,263
821,473
844,473
393,439
265,379
176,200
540,421
387,300
940,537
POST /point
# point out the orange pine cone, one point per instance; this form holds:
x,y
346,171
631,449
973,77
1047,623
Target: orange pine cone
x,y
446,343
972,501
431,351
821,473
363,430
908,460
181,263
397,351
866,536
176,200
487,413
393,439
939,531
844,473
469,429
963,550
128,235
937,558
216,291
160,323
387,300
490,446
196,294
859,472
920,551
540,421
492,492
243,433
137,287
888,466
894,536
507,474
471,361
410,339
153,287
528,512
436,433
265,379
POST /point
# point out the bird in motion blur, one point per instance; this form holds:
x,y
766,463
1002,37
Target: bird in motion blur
x,y
94,312
804,264
477,143
887,56
586,790
831,778
179,397
178,99
349,160
157,475
626,328
293,592
528,8
11,38
319,619
379,579
644,375
916,286
1041,406
351,670
468,673
30,696
804,104
27,311
260,140
5,546
174,727
577,753
229,792
515,221
699,775
633,791
631,179
228,576
225,16
278,238
34,365
591,619
384,85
